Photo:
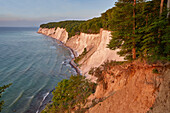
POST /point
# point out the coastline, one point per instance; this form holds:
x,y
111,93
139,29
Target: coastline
x,y
47,98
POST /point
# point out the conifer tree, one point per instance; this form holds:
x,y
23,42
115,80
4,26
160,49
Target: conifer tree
x,y
122,35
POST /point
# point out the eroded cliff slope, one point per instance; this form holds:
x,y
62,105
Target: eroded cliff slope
x,y
133,88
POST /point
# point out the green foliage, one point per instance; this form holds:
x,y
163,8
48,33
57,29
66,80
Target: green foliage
x,y
70,26
122,29
77,59
155,71
91,26
155,43
2,89
69,94
154,35
75,27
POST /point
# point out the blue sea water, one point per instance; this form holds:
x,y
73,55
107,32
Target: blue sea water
x,y
34,64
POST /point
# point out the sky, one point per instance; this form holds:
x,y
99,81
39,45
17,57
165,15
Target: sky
x,y
32,13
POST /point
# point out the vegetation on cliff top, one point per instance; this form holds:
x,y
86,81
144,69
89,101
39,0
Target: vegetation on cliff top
x,y
90,26
75,27
70,26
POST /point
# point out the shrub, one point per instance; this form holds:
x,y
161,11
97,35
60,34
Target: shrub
x,y
155,71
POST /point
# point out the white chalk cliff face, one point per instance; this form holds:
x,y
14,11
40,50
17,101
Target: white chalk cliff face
x,y
95,44
59,33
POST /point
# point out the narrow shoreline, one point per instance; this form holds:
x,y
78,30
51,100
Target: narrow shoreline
x,y
72,63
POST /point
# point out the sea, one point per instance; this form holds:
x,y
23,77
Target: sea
x,y
34,64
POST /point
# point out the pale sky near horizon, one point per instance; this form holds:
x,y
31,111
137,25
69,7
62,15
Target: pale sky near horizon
x,y
32,13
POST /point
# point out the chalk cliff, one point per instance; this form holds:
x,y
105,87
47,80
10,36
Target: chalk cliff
x,y
95,44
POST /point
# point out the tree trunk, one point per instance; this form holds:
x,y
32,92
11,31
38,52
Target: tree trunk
x,y
134,25
147,16
160,14
147,19
161,7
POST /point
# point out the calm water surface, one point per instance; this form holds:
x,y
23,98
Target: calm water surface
x,y
34,64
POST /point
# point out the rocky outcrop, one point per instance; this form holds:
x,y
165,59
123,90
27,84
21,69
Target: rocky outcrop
x,y
95,44
132,88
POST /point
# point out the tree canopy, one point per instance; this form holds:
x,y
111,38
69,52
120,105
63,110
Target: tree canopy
x,y
151,30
